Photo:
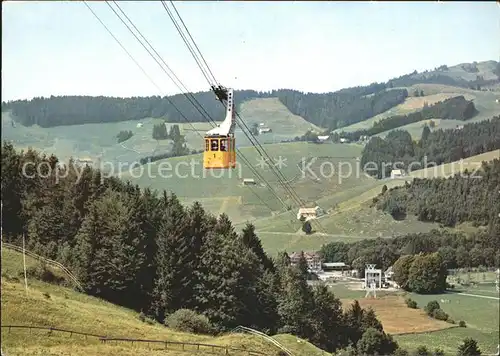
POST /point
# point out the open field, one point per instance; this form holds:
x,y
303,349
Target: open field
x,y
50,305
411,104
195,183
481,316
397,318
484,102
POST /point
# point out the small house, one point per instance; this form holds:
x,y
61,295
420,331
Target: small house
x,y
323,138
264,130
397,173
309,213
139,125
334,266
344,140
249,181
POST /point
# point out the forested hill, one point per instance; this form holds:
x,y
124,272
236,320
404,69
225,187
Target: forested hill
x,y
438,147
457,108
342,108
469,197
77,110
328,110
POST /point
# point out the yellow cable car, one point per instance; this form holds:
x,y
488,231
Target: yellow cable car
x,y
220,143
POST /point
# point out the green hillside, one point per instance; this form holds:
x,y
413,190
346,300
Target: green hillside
x,y
55,306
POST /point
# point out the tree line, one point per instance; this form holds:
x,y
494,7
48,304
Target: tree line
x,y
179,147
124,135
456,108
144,250
469,197
456,249
398,150
78,110
341,108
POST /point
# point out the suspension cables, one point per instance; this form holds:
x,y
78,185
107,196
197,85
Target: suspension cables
x,y
190,97
255,143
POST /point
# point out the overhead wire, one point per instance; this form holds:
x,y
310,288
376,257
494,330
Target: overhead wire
x,y
168,99
281,178
188,93
252,139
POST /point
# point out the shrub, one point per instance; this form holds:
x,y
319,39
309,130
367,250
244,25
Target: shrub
x,y
438,352
186,320
42,273
431,306
411,303
439,314
145,319
422,351
451,321
461,323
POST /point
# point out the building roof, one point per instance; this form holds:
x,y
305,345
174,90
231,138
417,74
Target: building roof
x,y
396,171
323,138
308,210
306,255
248,180
334,264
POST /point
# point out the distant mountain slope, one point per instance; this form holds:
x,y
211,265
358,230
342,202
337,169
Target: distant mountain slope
x,y
327,110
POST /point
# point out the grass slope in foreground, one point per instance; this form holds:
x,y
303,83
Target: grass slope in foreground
x,y
50,305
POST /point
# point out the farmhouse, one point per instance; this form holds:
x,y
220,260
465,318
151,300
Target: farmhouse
x,y
334,266
309,213
344,140
397,173
85,160
249,181
139,125
264,130
323,138
313,260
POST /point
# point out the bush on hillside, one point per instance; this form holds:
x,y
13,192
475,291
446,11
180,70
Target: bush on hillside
x,y
431,306
411,303
461,323
42,273
439,314
186,320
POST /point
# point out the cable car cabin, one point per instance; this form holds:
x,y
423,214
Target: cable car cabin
x,y
220,152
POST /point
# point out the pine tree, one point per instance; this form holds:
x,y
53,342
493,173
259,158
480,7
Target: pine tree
x,y
251,240
468,348
296,304
328,333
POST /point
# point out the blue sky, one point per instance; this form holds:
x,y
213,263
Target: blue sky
x,y
59,48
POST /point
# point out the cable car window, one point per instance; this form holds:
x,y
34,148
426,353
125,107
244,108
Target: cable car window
x,y
214,145
223,145
207,145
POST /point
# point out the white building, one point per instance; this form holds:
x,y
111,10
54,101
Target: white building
x,y
310,213
249,181
323,138
397,173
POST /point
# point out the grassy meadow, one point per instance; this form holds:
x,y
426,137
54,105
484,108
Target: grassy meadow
x,y
55,306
